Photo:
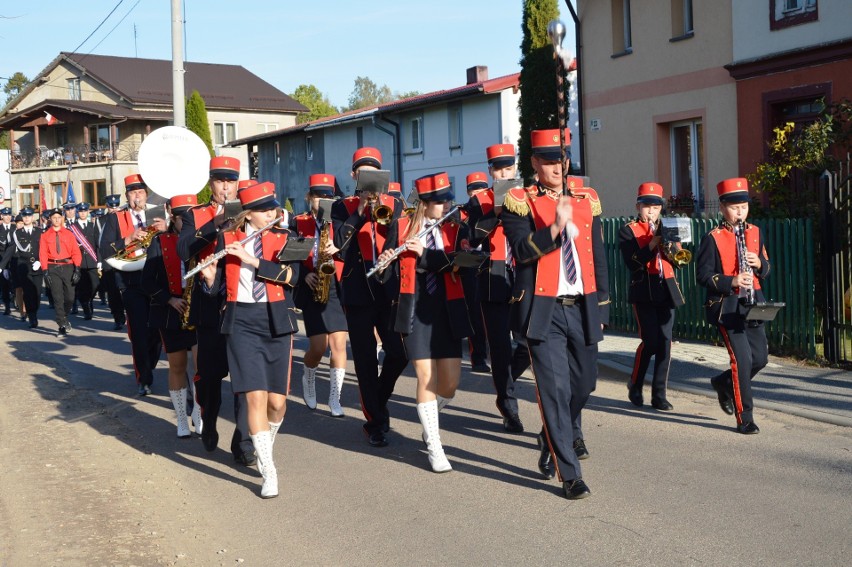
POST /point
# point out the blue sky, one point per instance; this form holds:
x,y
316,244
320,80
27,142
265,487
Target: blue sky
x,y
407,45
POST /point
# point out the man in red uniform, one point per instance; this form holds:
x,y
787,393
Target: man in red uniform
x,y
60,255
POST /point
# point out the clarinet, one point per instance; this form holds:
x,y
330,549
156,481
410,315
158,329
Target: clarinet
x,y
739,231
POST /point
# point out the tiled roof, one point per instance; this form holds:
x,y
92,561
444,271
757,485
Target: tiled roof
x,y
98,109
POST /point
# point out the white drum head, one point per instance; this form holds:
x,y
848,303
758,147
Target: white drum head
x,y
174,161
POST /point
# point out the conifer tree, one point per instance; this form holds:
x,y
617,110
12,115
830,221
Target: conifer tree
x,y
196,121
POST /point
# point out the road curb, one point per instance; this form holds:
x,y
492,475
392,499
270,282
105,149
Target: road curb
x,y
615,371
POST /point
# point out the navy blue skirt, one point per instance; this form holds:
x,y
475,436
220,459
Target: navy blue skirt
x,y
176,340
431,334
257,360
323,318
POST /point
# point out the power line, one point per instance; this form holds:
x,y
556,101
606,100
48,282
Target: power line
x,y
120,2
115,26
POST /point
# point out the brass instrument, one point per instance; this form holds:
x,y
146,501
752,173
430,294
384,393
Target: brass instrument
x,y
383,214
324,266
132,257
742,250
187,297
677,256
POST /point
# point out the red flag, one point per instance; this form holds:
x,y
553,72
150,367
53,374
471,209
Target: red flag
x,y
43,203
51,119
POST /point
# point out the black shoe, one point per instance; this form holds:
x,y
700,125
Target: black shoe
x,y
480,368
748,428
662,405
75,311
545,460
33,323
512,423
8,311
635,396
725,401
376,438
68,325
210,438
144,389
248,459
87,314
580,449
118,326
575,489
62,332
23,316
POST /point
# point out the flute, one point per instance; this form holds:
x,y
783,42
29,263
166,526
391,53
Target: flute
x,y
222,253
381,266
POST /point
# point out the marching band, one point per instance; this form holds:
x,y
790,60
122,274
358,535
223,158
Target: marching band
x,y
223,287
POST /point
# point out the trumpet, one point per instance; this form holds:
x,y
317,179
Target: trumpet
x,y
383,214
677,256
382,266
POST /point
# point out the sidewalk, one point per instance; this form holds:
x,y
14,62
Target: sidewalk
x,y
821,394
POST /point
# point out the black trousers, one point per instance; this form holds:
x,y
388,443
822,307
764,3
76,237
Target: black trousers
x,y
375,389
565,370
145,344
477,342
61,290
116,305
86,288
6,289
655,329
749,352
496,318
31,283
212,369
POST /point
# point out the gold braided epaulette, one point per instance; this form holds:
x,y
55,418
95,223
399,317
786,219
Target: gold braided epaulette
x,y
516,202
592,196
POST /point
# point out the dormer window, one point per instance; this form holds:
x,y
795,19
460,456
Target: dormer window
x,y
74,89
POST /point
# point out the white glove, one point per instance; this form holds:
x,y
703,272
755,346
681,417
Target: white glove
x,y
99,265
36,265
6,274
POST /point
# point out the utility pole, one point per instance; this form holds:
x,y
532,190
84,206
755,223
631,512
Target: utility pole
x,y
135,43
178,96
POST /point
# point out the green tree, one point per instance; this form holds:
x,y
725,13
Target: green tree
x,y
317,103
538,77
368,93
14,85
406,94
196,121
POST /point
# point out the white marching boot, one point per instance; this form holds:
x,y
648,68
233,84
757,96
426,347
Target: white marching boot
x,y
335,387
273,431
443,402
428,413
179,402
197,422
309,386
263,447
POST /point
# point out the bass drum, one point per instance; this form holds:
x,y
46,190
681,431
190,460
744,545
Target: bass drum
x,y
174,161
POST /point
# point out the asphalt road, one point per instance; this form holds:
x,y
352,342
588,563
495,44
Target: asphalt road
x,y
93,475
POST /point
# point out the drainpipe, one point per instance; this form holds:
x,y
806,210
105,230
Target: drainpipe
x,y
396,143
578,45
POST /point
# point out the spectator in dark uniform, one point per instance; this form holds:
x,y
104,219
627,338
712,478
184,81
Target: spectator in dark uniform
x,y
60,255
258,319
29,274
653,292
732,262
128,228
200,228
560,302
325,323
162,281
6,286
86,233
109,280
367,302
431,312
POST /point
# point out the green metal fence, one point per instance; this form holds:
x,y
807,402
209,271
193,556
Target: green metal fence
x,y
790,245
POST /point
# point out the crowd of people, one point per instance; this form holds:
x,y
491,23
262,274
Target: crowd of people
x,y
521,269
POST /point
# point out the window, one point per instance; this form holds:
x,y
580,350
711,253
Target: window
x,y
264,127
94,192
28,196
359,137
681,19
787,13
454,116
224,133
57,190
622,41
73,89
309,147
99,137
687,149
414,138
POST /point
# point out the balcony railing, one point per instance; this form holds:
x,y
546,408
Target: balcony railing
x,y
62,156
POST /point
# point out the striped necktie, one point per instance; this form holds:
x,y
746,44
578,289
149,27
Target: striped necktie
x,y
258,290
568,256
431,277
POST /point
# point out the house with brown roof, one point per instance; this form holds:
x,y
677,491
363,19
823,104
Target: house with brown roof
x,y
84,117
445,130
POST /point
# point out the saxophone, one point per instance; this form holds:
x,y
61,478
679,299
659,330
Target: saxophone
x,y
325,266
187,297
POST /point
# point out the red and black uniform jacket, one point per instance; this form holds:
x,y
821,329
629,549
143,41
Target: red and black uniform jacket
x,y
352,235
647,284
196,241
716,267
162,280
118,226
306,225
280,307
487,230
437,261
526,218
